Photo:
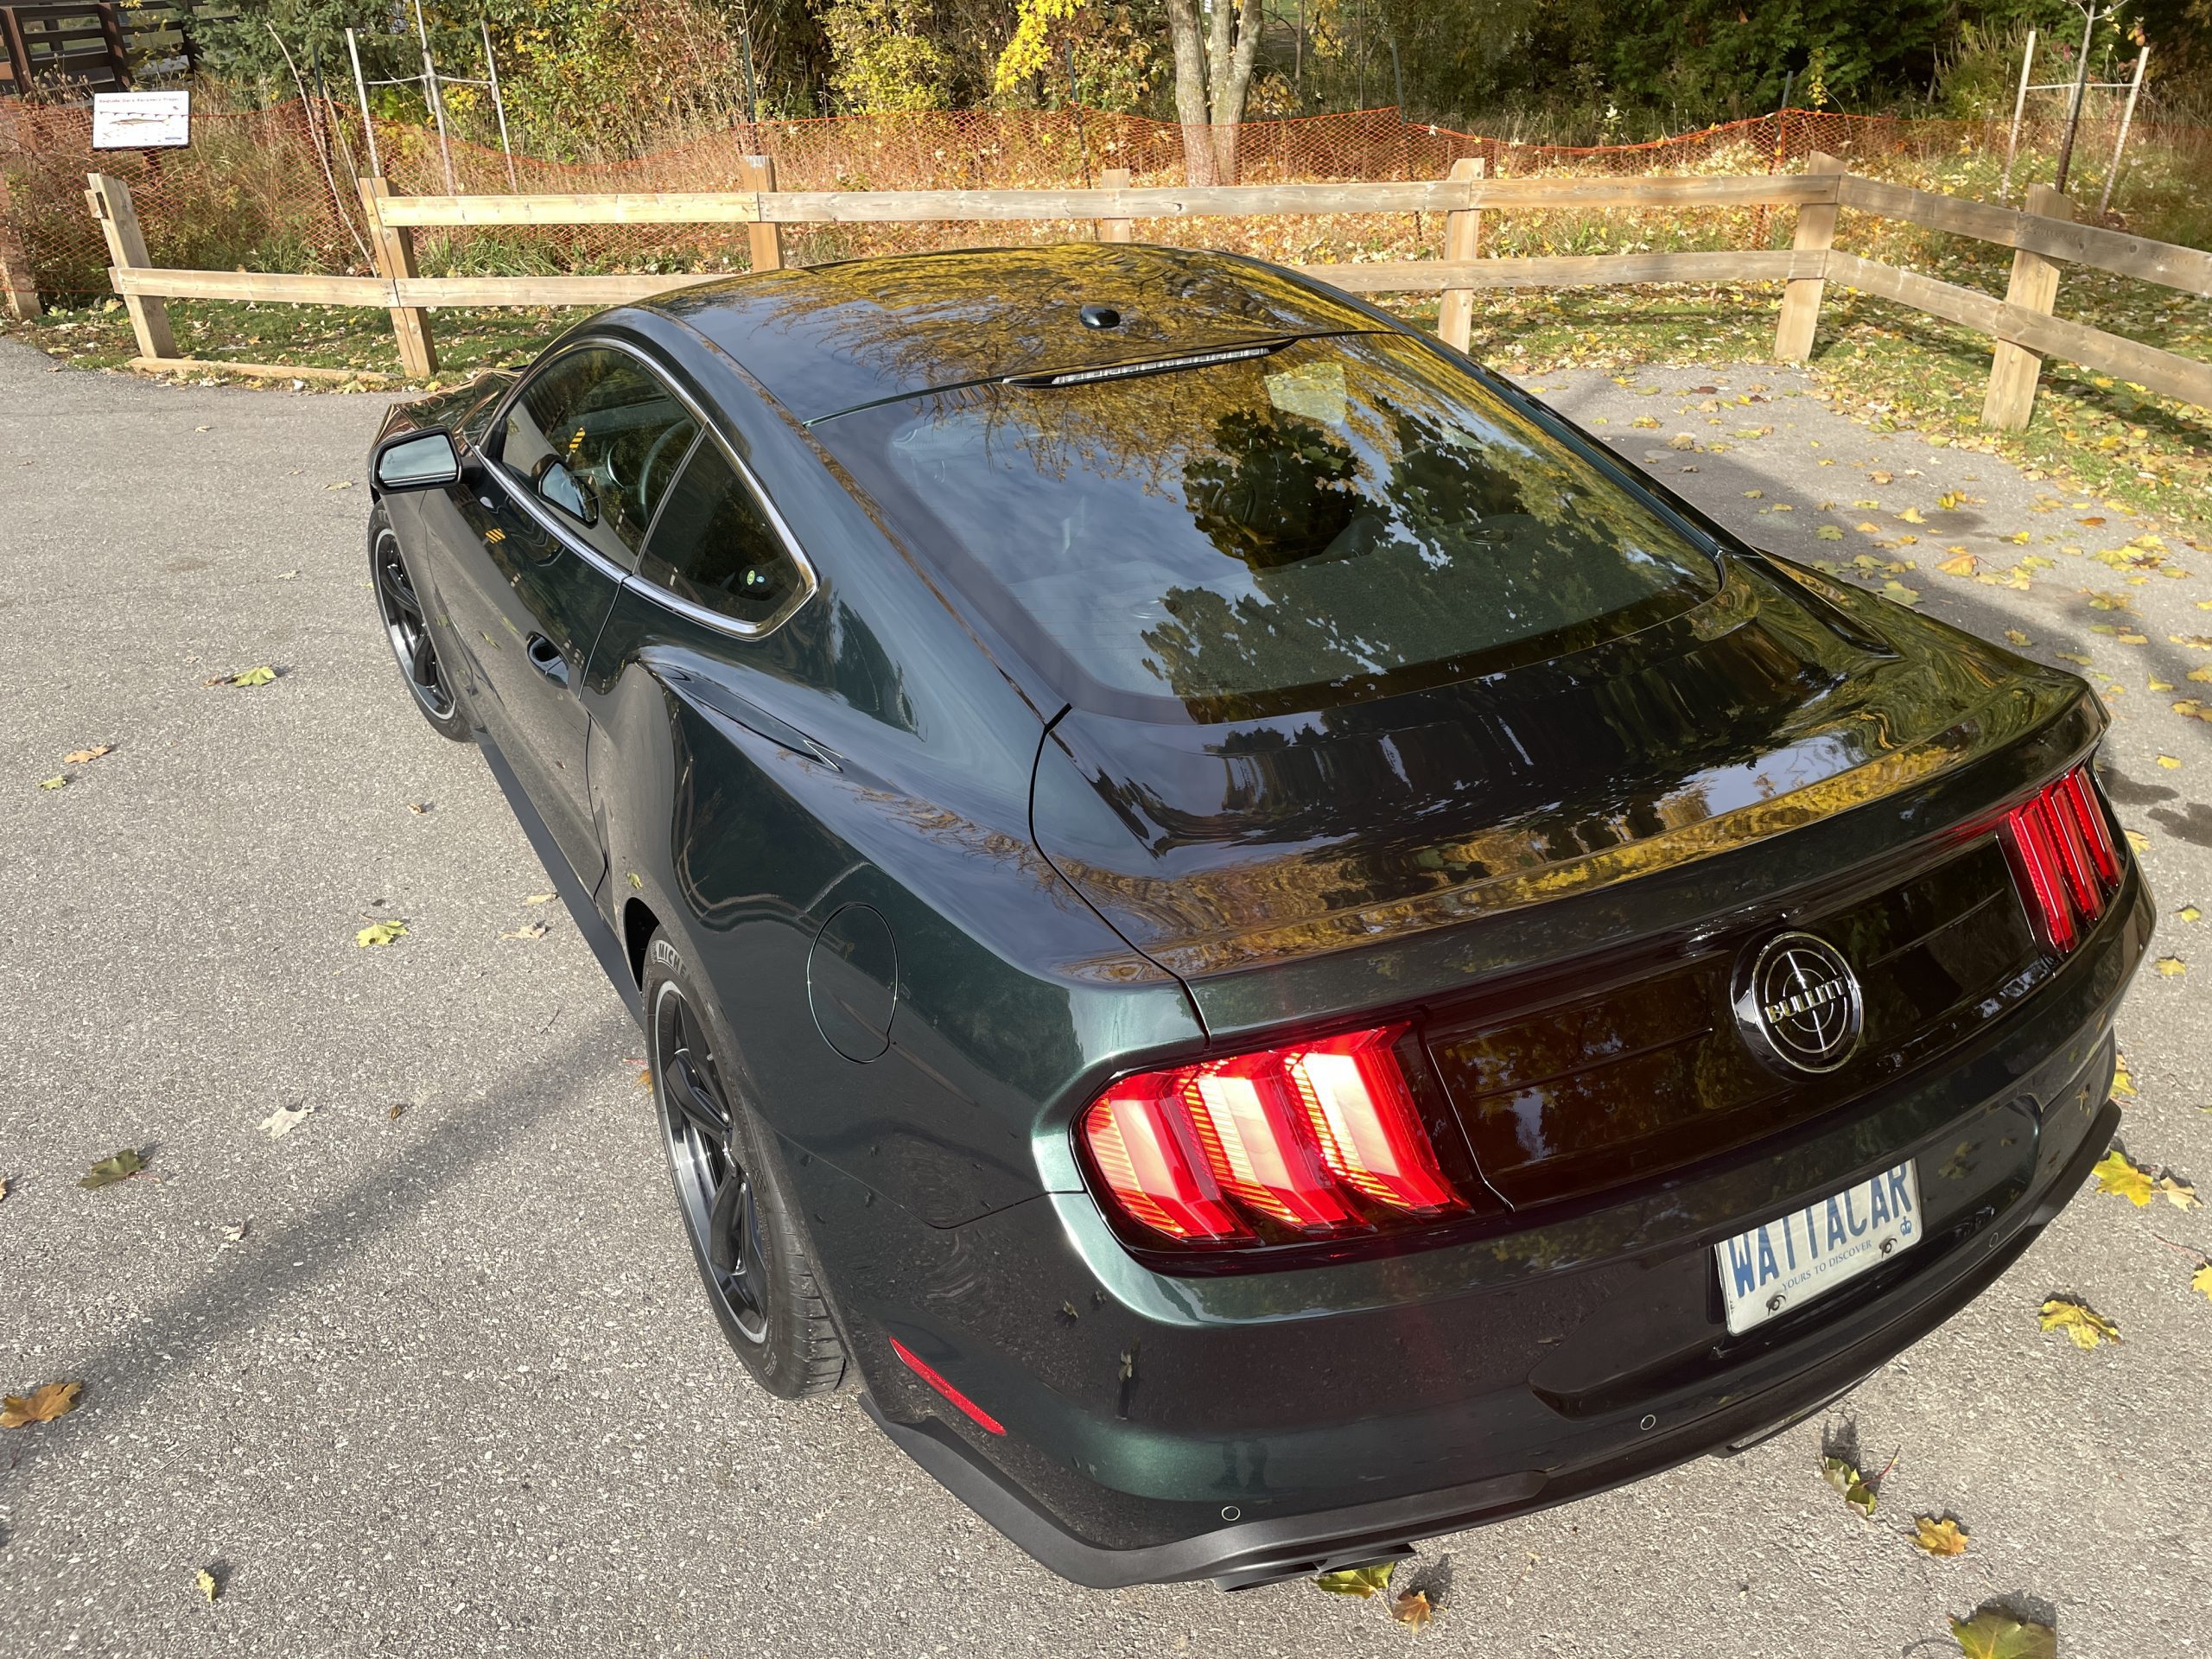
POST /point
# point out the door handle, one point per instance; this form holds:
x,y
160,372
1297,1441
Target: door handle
x,y
545,657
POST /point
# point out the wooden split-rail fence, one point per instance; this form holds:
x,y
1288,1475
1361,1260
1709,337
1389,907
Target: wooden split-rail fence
x,y
2021,325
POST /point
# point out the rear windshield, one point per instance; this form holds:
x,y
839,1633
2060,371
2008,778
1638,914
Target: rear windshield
x,y
1338,518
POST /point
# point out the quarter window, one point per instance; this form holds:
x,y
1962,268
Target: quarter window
x,y
716,547
600,439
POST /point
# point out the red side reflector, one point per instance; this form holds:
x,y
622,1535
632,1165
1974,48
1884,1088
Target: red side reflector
x,y
1318,1138
2065,859
974,1412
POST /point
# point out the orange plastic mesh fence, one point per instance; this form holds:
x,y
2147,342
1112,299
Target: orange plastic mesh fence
x,y
274,189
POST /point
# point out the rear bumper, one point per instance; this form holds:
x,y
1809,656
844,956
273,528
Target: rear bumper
x,y
1763,1397
1245,1426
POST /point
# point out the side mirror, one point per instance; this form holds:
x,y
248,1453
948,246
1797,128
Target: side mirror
x,y
417,460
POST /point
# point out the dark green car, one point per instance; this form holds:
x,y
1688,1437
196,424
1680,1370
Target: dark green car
x,y
1277,952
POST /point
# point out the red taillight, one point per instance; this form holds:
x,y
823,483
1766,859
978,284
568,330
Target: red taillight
x,y
1313,1140
2064,858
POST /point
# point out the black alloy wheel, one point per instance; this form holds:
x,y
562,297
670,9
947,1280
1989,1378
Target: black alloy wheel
x,y
712,1187
408,629
748,1244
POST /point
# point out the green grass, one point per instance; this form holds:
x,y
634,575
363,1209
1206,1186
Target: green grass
x,y
313,336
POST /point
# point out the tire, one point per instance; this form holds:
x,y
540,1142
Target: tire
x,y
752,1257
409,631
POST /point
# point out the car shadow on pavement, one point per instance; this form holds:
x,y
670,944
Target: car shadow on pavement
x,y
268,1268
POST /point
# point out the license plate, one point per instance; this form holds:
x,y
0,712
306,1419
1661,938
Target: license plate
x,y
1786,1262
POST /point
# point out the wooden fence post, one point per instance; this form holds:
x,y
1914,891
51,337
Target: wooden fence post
x,y
1801,296
110,201
764,242
2014,369
16,288
1463,235
394,248
1114,230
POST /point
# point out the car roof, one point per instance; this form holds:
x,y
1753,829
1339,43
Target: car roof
x,y
825,338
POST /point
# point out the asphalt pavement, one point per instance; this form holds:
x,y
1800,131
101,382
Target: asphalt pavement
x,y
430,1374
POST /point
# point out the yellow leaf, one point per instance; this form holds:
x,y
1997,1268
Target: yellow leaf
x,y
539,898
2172,966
1912,516
1413,1608
379,933
2168,762
2139,841
2019,537
2123,1080
108,1171
261,675
2179,1193
2117,1175
1964,566
41,1405
1844,1476
2082,1324
205,1580
2013,637
1935,1537
1360,1581
2201,1282
58,781
2188,912
1992,1633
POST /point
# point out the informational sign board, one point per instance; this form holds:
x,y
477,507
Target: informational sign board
x,y
141,120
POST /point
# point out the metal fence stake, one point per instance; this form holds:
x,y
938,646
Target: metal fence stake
x,y
2127,120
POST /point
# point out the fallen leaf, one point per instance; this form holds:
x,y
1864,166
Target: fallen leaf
x,y
234,1235
1962,566
2179,1193
83,757
2014,636
1882,478
205,1580
535,930
1828,533
539,898
2172,966
2082,1324
281,1122
2168,762
1412,1608
1360,1581
2018,538
418,808
261,675
1935,1537
288,575
398,1110
2139,841
2092,522
2188,912
1992,1633
2201,1282
58,781
41,1405
2117,1174
342,484
379,933
108,1171
1842,1474
1911,516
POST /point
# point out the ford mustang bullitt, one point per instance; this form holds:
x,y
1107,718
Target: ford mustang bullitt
x,y
1272,952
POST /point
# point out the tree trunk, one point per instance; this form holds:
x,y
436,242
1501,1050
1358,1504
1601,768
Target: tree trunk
x,y
1231,76
1191,90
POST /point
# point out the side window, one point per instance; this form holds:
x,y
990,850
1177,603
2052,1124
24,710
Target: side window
x,y
715,546
598,438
